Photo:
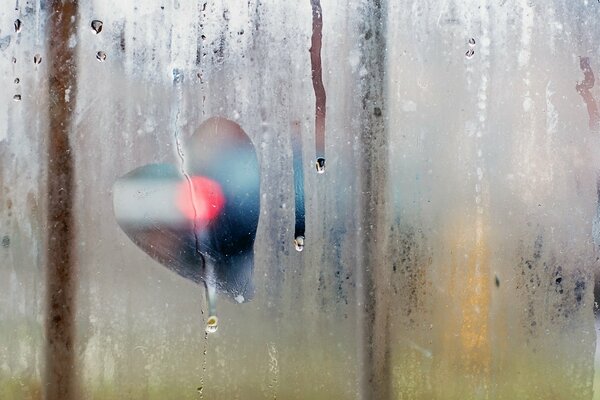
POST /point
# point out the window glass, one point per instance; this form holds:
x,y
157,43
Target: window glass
x,y
298,200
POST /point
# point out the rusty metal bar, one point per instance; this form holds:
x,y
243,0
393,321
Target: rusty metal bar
x,y
60,279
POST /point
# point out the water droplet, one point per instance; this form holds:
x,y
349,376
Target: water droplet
x,y
18,25
211,299
14,60
320,165
239,298
97,26
472,42
37,59
17,81
101,56
200,389
299,243
470,53
177,75
497,281
212,324
17,97
4,43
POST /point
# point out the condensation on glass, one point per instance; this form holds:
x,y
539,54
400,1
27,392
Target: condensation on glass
x,y
448,248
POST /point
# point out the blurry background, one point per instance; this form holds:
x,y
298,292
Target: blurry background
x,y
449,250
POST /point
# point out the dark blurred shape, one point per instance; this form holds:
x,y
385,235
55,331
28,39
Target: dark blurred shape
x,y
200,219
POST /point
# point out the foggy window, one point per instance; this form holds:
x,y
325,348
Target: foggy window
x,y
299,199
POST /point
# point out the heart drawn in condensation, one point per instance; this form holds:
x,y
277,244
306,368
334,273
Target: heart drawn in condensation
x,y
198,218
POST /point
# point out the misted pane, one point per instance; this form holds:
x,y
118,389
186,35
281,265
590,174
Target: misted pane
x,y
299,200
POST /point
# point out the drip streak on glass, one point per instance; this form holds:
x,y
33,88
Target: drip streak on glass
x,y
298,179
373,267
317,77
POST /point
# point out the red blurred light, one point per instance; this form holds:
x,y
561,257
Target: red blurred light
x,y
204,203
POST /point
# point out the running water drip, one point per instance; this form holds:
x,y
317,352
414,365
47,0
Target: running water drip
x,y
317,79
299,227
212,323
211,299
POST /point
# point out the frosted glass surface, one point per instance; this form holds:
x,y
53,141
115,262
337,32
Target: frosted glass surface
x,y
450,247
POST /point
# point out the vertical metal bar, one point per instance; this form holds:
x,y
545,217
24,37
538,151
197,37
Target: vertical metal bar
x,y
373,270
61,285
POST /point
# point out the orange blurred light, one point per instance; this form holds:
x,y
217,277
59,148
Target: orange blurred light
x,y
205,201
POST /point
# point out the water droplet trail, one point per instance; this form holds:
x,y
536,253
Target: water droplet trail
x,y
204,351
209,278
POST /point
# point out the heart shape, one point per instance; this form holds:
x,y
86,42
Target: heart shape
x,y
198,218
